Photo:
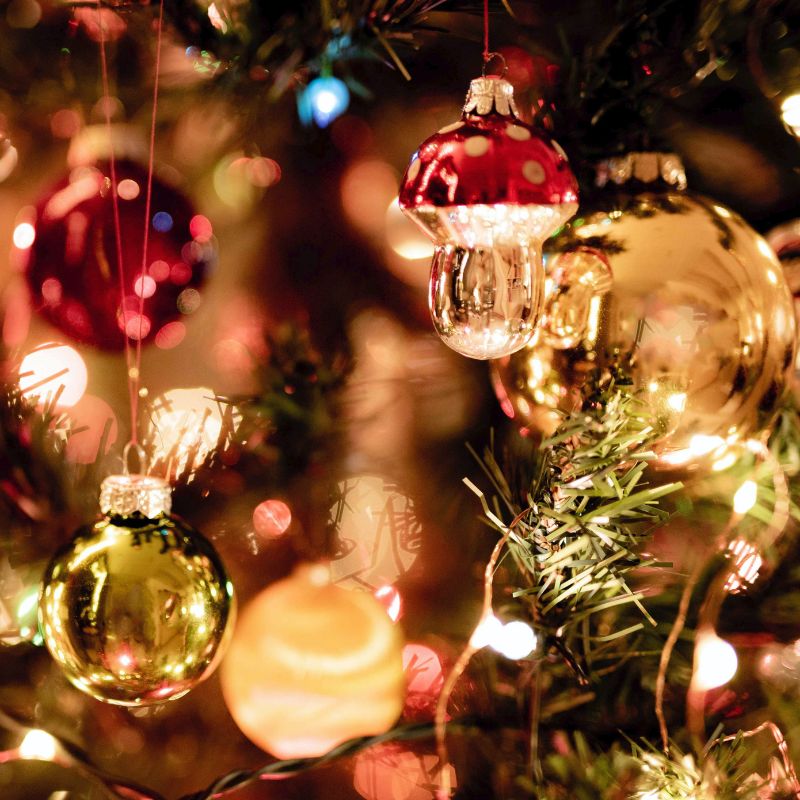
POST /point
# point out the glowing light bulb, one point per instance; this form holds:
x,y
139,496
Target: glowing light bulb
x,y
38,745
746,561
486,632
790,113
715,662
324,99
24,235
514,640
745,497
53,370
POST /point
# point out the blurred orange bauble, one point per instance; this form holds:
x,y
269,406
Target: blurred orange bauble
x,y
312,665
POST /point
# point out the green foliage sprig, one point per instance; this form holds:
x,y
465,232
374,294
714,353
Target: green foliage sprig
x,y
577,535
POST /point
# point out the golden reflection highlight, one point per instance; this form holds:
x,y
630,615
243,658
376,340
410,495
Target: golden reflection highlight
x,y
698,317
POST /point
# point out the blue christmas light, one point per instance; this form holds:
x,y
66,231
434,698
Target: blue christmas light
x,y
324,99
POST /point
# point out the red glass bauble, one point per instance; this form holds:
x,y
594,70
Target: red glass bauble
x,y
72,264
489,157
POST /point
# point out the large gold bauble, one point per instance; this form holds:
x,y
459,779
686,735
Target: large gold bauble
x,y
311,665
135,610
698,316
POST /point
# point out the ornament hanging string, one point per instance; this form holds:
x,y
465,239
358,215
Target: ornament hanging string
x,y
486,53
115,203
133,359
146,238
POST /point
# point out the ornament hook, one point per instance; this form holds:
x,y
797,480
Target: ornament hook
x,y
133,447
488,58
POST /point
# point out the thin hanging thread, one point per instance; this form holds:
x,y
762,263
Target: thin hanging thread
x,y
133,361
146,238
115,204
486,54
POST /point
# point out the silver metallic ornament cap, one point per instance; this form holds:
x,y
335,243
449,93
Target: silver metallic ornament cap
x,y
644,167
488,94
126,494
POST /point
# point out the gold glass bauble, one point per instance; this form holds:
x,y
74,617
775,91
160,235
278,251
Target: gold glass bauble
x,y
697,315
311,665
135,609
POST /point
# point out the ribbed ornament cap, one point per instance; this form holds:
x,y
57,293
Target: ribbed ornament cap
x,y
123,495
490,94
643,167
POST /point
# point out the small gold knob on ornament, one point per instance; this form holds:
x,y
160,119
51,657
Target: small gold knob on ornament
x,y
578,279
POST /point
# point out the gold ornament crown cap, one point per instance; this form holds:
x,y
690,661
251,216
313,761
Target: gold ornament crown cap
x,y
488,94
123,495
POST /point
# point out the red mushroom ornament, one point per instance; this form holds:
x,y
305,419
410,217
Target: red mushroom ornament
x,y
488,190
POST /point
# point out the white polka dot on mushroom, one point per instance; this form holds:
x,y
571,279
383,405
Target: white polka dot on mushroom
x,y
413,170
450,128
476,145
533,171
518,132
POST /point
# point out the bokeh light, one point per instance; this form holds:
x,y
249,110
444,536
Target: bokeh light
x,y
263,172
23,13
746,564
185,426
745,497
93,425
790,113
38,745
65,123
391,599
514,640
404,386
51,370
200,227
24,235
409,250
128,189
324,99
272,519
391,772
9,156
423,668
378,535
100,24
367,187
19,603
240,181
406,238
144,286
170,335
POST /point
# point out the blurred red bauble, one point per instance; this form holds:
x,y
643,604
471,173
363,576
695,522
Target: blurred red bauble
x,y
72,259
